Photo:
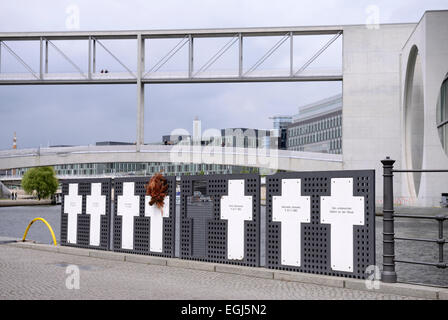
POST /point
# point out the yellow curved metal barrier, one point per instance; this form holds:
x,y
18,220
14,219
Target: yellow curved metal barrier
x,y
46,223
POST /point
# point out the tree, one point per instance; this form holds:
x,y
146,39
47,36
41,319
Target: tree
x,y
42,180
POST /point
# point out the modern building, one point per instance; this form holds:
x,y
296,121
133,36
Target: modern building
x,y
137,168
395,104
280,124
113,143
228,137
175,139
317,127
244,138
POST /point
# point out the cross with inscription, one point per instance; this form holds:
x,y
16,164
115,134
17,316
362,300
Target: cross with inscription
x,y
73,207
95,207
156,223
342,211
236,208
128,207
291,209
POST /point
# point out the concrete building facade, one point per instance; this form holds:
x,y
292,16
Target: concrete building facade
x,y
393,76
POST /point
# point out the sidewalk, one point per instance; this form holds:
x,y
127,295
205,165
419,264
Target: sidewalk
x,y
36,271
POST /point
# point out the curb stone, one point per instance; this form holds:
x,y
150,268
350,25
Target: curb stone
x,y
109,255
189,264
145,259
246,271
309,278
395,288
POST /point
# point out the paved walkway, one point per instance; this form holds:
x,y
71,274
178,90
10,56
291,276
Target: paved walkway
x,y
33,274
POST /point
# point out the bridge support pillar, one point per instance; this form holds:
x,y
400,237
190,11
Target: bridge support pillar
x,y
140,91
140,114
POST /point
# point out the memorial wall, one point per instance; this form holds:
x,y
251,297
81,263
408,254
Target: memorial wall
x,y
314,222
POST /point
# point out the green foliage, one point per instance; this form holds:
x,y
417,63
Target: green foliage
x,y
249,170
42,180
244,170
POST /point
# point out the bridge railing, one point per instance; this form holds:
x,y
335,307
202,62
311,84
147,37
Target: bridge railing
x,y
389,273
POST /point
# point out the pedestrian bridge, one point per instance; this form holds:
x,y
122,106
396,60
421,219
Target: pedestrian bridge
x,y
250,157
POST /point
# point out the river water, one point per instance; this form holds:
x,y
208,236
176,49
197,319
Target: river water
x,y
13,221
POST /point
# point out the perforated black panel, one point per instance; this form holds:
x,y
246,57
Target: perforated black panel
x,y
83,219
203,234
315,237
142,223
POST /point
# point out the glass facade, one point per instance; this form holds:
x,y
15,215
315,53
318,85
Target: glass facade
x,y
141,169
442,115
126,168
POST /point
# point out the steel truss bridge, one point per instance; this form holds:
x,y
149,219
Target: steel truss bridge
x,y
144,75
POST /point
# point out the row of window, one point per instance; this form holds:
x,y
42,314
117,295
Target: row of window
x,y
323,124
92,169
332,145
315,137
332,151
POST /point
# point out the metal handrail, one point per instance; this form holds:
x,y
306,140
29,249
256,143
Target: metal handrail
x,y
389,274
420,170
400,215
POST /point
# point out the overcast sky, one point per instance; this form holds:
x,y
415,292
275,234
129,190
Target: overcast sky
x,y
82,115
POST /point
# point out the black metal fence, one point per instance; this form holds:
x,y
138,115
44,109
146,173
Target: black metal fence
x,y
389,274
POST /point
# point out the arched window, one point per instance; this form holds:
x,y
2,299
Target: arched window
x,y
442,115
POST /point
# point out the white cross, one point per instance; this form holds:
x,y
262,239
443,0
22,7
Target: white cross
x,y
156,223
236,208
96,207
73,207
342,211
128,207
291,209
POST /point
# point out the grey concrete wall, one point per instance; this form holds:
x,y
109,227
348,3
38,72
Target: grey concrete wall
x,y
371,98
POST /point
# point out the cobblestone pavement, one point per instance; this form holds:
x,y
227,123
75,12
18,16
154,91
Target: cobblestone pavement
x,y
32,274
